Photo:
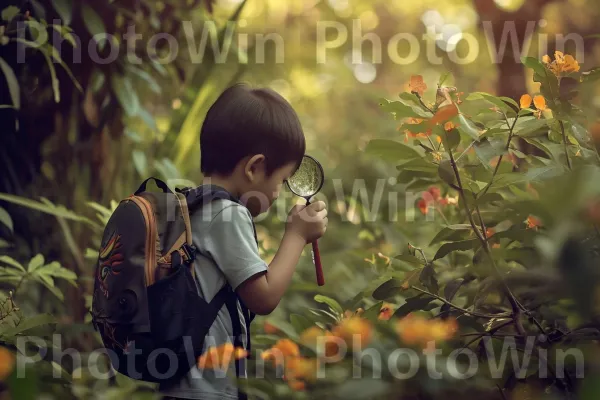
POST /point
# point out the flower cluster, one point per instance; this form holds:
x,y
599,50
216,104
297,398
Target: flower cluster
x,y
433,197
221,356
562,64
416,330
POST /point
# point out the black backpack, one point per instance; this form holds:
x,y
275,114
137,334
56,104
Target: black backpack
x,y
145,305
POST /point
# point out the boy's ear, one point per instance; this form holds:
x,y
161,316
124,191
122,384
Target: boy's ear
x,y
255,164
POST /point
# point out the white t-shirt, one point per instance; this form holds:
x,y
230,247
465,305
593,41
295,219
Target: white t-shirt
x,y
227,253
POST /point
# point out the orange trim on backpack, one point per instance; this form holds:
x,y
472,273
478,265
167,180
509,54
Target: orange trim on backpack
x,y
151,237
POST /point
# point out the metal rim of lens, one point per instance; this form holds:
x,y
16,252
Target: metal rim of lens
x,y
322,178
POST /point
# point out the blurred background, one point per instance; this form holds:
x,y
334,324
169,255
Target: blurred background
x,y
84,134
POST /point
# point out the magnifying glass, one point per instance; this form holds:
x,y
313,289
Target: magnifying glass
x,y
306,182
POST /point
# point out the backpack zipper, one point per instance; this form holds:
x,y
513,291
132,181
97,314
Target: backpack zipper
x,y
150,248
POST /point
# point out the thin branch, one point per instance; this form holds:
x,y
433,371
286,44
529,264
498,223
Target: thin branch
x,y
473,313
564,136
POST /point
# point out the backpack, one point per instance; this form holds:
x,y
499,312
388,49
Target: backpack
x,y
145,305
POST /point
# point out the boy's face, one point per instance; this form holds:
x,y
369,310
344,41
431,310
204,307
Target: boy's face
x,y
266,188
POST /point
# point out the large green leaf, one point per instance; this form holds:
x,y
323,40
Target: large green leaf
x,y
401,110
64,8
535,64
13,84
419,302
9,13
12,262
28,324
461,245
529,126
489,148
6,220
498,102
35,263
452,233
446,172
93,23
465,125
333,304
391,151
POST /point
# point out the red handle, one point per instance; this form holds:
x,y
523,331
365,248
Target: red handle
x,y
317,262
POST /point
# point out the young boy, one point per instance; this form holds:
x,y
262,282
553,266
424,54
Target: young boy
x,y
251,142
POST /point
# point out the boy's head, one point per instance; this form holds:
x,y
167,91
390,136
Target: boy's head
x,y
253,138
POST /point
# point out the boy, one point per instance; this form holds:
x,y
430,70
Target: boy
x,y
251,142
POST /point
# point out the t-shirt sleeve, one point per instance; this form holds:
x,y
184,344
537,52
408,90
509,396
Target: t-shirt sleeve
x,y
230,242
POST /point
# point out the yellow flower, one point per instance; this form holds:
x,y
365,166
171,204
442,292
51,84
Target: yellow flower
x,y
546,59
287,348
562,63
309,336
7,363
525,101
301,368
540,102
570,64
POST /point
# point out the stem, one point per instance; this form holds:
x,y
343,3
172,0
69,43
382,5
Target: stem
x,y
516,306
564,136
510,135
423,104
473,313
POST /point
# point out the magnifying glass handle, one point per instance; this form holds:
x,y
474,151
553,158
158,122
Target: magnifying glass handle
x,y
317,261
316,256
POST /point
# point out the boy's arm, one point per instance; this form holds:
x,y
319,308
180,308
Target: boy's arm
x,y
262,292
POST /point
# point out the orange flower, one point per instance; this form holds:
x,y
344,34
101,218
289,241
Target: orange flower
x,y
561,64
352,328
386,312
418,330
301,368
423,206
287,347
417,85
221,356
489,232
525,101
444,114
540,102
533,222
448,126
270,328
309,336
435,192
7,363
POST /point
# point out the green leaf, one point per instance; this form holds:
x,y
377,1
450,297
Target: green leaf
x,y
443,78
452,232
38,32
489,148
6,220
4,244
9,13
35,263
535,64
28,324
390,150
428,278
333,304
64,8
147,78
418,302
446,172
409,259
91,254
12,262
528,126
450,139
300,322
491,99
461,245
372,313
54,78
468,127
13,84
452,288
126,94
139,162
400,110
387,289
93,23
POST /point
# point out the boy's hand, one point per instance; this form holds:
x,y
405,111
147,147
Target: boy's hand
x,y
308,222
